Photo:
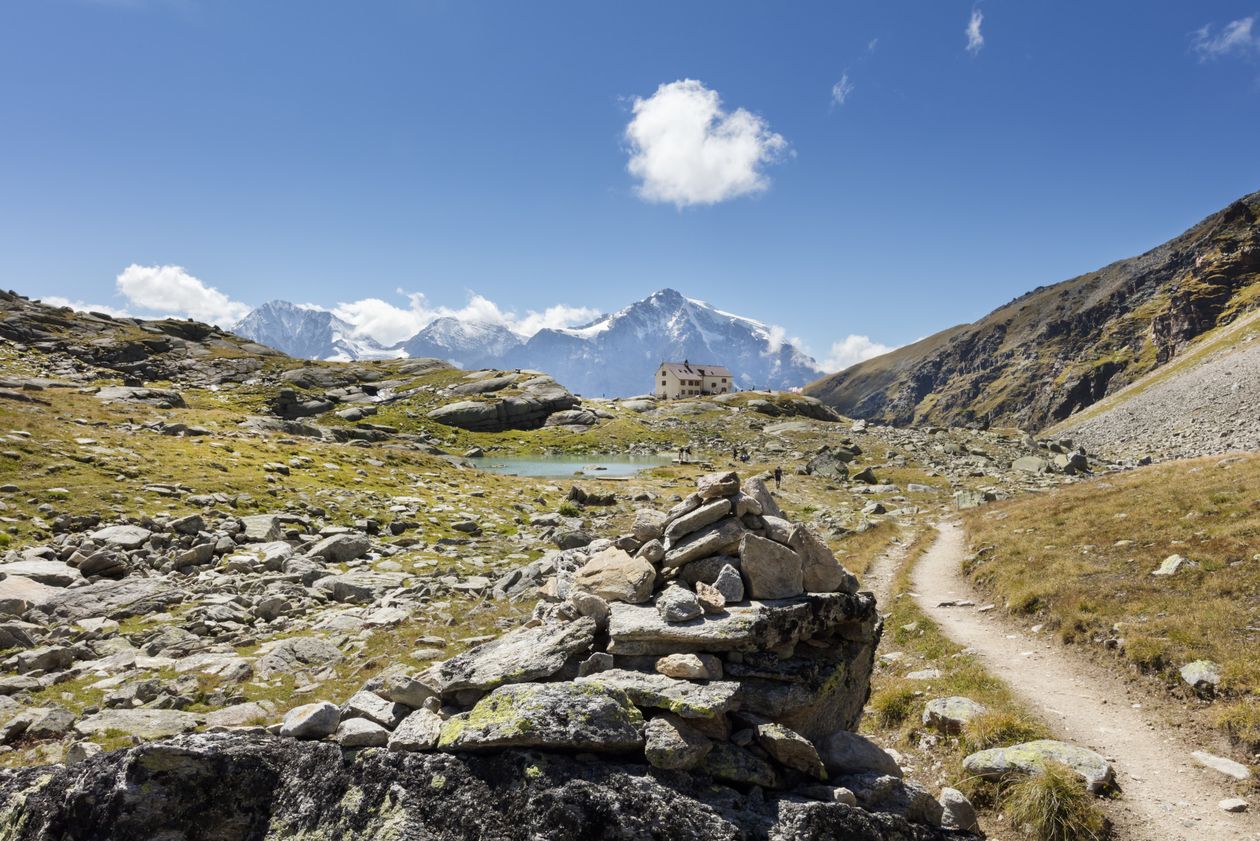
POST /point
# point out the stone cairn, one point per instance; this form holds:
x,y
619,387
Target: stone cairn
x,y
717,637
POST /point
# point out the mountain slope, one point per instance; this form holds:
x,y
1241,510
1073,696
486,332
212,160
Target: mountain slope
x,y
308,333
1058,349
617,354
469,344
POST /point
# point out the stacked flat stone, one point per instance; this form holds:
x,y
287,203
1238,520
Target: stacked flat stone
x,y
715,637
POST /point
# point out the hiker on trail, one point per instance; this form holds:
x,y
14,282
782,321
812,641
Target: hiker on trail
x,y
734,453
778,477
682,455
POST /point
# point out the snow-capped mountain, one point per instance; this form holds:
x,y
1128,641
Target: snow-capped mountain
x,y
468,344
308,333
615,355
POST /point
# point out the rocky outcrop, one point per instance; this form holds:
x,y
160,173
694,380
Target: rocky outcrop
x,y
1058,349
522,400
246,787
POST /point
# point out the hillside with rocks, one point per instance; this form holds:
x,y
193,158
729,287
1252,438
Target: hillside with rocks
x,y
1203,403
1059,349
222,566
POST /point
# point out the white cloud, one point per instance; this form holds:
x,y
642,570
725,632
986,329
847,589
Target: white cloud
x,y
975,39
686,150
840,90
170,289
390,324
851,350
1235,38
81,306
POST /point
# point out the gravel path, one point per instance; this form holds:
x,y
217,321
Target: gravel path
x,y
1165,797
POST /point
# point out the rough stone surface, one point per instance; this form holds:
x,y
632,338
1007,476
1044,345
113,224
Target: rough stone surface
x,y
521,655
1026,758
771,570
615,576
238,788
949,715
673,744
560,716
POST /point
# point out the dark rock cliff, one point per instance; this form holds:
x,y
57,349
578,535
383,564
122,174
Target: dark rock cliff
x,y
241,787
1061,348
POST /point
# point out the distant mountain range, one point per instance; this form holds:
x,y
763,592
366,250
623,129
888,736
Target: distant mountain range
x,y
1058,349
615,355
308,333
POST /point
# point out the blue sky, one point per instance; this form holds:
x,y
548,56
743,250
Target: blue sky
x,y
335,152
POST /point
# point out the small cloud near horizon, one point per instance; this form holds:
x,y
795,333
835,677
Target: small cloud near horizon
x,y
851,350
686,150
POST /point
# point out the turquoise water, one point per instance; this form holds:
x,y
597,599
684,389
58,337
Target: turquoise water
x,y
556,467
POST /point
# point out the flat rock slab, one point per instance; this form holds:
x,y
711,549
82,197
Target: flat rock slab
x,y
51,573
684,698
1221,765
142,723
115,599
637,630
948,715
122,537
1030,757
518,656
21,593
564,716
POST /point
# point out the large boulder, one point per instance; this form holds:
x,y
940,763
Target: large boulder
x,y
1030,757
560,716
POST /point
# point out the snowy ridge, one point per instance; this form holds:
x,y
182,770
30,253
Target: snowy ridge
x,y
615,355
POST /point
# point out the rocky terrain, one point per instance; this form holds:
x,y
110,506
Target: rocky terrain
x,y
1061,348
204,540
1202,405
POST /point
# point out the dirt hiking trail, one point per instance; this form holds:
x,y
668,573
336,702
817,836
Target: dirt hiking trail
x,y
1164,795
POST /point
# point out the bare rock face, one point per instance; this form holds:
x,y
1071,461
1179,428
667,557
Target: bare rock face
x,y
237,787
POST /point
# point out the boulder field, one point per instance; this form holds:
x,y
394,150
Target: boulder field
x,y
700,677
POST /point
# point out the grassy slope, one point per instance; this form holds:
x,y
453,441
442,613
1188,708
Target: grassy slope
x,y
1080,559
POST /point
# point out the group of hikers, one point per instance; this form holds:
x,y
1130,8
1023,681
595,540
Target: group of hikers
x,y
740,455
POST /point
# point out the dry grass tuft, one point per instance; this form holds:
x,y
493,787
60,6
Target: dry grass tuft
x,y
1054,805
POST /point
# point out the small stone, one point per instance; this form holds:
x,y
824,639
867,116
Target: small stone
x,y
1174,564
714,485
1201,675
849,753
690,666
678,604
674,745
82,751
1221,765
790,749
1233,804
948,715
710,598
730,584
958,811
311,721
361,733
418,731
